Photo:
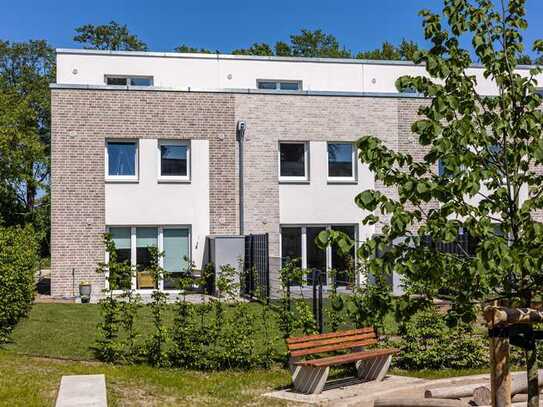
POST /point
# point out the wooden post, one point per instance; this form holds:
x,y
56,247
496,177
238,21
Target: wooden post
x,y
500,374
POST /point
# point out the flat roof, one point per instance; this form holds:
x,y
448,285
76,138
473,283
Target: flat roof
x,y
219,56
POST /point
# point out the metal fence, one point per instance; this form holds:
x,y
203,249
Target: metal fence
x,y
256,282
464,245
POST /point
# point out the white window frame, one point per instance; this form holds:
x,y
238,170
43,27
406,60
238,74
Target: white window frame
x,y
128,77
278,84
122,178
342,180
173,178
303,260
293,179
133,254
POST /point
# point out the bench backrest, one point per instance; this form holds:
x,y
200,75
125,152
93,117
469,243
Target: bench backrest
x,y
328,342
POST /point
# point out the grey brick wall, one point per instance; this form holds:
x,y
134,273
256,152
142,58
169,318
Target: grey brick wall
x,y
81,121
271,118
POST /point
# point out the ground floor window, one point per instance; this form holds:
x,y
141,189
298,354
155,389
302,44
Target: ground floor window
x,y
133,243
298,242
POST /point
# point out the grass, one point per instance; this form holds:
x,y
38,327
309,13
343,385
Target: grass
x,y
33,381
56,340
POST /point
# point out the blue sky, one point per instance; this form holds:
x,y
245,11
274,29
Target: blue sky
x,y
229,24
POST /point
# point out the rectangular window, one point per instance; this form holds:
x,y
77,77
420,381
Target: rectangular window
x,y
343,264
341,162
122,160
293,161
121,237
129,80
279,85
291,245
174,160
299,242
316,257
145,238
176,255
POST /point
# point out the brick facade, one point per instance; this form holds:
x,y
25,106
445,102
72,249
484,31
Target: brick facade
x,y
83,119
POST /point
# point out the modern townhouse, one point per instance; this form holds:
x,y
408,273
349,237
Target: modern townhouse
x,y
169,149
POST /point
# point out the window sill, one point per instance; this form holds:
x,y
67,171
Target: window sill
x,y
121,180
294,181
173,180
332,181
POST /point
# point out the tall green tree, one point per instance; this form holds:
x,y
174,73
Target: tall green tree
x,y
491,150
26,69
388,51
317,44
258,48
183,48
112,36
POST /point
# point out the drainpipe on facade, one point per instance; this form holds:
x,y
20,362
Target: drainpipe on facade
x,y
240,137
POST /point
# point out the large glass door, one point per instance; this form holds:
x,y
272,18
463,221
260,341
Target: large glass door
x,y
316,257
343,264
176,255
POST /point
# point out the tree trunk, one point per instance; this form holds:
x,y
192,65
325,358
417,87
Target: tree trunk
x,y
531,370
500,375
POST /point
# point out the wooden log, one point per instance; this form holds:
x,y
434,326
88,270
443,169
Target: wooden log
x,y
500,374
509,316
454,392
417,403
519,384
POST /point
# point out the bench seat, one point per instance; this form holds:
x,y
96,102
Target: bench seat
x,y
309,376
347,358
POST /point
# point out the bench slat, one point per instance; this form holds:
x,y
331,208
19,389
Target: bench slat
x,y
332,341
330,348
348,358
328,335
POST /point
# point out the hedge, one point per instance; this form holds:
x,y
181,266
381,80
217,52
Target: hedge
x,y
18,262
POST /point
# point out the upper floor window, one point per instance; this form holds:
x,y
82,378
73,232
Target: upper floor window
x,y
293,161
341,162
122,160
174,160
129,80
279,85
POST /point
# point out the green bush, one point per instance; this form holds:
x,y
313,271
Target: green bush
x,y
428,343
18,262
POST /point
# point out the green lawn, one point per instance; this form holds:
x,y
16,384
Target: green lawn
x,y
32,381
56,340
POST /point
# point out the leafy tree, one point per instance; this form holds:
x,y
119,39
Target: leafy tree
x,y
282,49
405,52
258,48
317,44
111,36
183,48
26,69
490,147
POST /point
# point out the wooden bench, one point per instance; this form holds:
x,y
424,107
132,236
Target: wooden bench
x,y
309,376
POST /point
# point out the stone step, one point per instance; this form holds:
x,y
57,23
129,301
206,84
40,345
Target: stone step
x,y
82,391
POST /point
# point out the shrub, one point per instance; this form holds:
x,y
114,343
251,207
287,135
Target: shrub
x,y
428,343
18,262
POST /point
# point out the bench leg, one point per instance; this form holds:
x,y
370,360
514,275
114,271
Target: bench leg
x,y
291,366
373,369
309,379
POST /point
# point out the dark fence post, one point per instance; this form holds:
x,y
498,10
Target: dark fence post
x,y
321,320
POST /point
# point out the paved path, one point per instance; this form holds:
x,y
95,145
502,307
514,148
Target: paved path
x,y
82,391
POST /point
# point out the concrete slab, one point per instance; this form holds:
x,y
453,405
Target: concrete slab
x,y
82,391
350,392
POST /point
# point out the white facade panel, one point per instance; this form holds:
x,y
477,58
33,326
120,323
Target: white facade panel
x,y
149,202
212,72
320,202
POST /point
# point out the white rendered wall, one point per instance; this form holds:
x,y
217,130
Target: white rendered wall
x,y
211,72
163,204
320,202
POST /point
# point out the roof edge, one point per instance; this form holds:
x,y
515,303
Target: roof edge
x,y
248,57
